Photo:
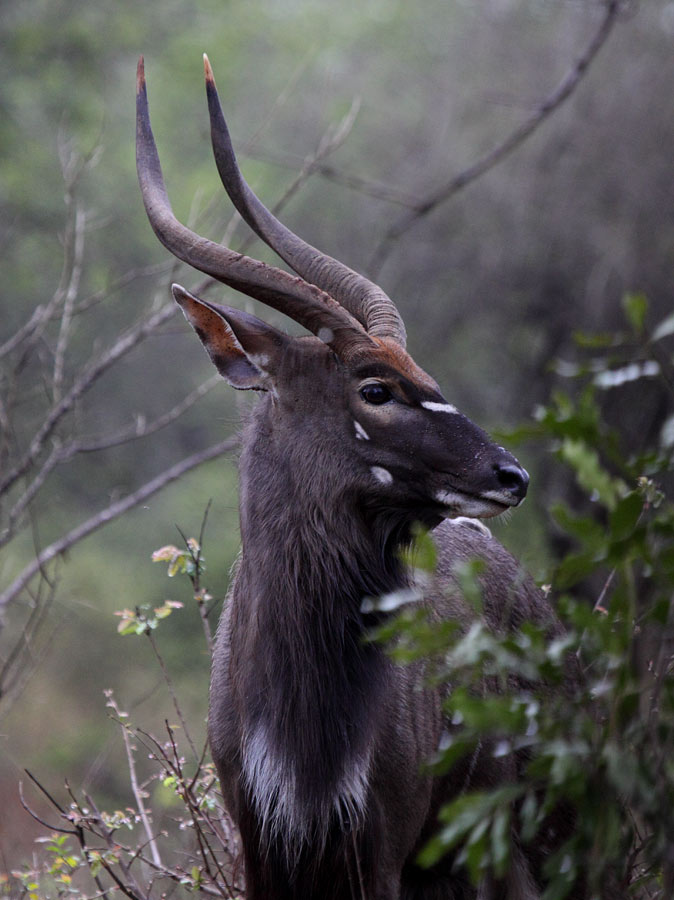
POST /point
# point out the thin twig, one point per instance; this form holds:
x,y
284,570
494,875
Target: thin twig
x,y
497,154
24,332
63,454
200,595
134,892
82,384
51,800
26,498
135,787
128,277
171,689
196,816
376,189
332,138
202,843
173,764
21,661
69,301
80,833
144,429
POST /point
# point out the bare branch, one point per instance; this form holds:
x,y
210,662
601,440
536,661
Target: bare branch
x,y
377,189
63,454
69,300
83,384
22,659
135,787
162,268
26,498
497,154
109,513
172,692
143,429
73,166
24,332
333,138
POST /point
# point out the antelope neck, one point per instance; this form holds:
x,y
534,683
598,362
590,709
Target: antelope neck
x,y
315,684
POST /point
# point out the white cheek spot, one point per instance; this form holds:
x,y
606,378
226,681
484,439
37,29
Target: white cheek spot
x,y
326,335
440,407
383,476
361,434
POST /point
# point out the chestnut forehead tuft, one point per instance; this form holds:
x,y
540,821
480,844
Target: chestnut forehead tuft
x,y
391,354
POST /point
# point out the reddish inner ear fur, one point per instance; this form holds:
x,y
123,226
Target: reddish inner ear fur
x,y
211,328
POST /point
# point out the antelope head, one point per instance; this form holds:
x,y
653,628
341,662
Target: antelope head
x,y
396,442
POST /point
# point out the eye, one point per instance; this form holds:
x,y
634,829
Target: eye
x,y
375,393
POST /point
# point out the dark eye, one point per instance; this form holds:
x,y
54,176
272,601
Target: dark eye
x,y
375,393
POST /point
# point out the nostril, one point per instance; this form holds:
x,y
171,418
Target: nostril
x,y
514,479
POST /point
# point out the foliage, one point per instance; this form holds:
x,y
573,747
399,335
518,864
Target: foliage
x,y
604,746
174,833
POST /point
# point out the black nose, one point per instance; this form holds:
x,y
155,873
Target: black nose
x,y
514,479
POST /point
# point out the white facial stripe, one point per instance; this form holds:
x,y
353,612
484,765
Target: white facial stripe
x,y
440,407
459,504
449,498
500,496
361,434
382,475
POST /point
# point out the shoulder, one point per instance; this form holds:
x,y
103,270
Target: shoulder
x,y
461,539
509,594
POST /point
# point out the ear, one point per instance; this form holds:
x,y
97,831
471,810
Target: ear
x,y
244,349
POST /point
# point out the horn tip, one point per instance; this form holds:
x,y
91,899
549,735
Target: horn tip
x,y
140,75
208,71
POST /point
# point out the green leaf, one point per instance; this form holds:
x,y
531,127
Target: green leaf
x,y
573,568
584,528
462,816
421,553
590,474
454,749
500,841
529,817
624,517
597,341
636,307
468,575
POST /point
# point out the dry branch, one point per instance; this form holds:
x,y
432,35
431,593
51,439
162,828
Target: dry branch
x,y
497,154
109,513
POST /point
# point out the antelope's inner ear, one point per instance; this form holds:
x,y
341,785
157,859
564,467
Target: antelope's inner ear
x,y
243,348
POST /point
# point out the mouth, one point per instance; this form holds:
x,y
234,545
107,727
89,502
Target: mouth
x,y
475,506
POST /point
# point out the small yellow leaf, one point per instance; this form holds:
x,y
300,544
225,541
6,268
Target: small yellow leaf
x,y
165,554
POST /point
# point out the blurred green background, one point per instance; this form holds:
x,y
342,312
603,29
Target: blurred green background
x,y
492,285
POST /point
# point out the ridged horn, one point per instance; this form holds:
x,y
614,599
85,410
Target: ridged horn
x,y
361,297
302,301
